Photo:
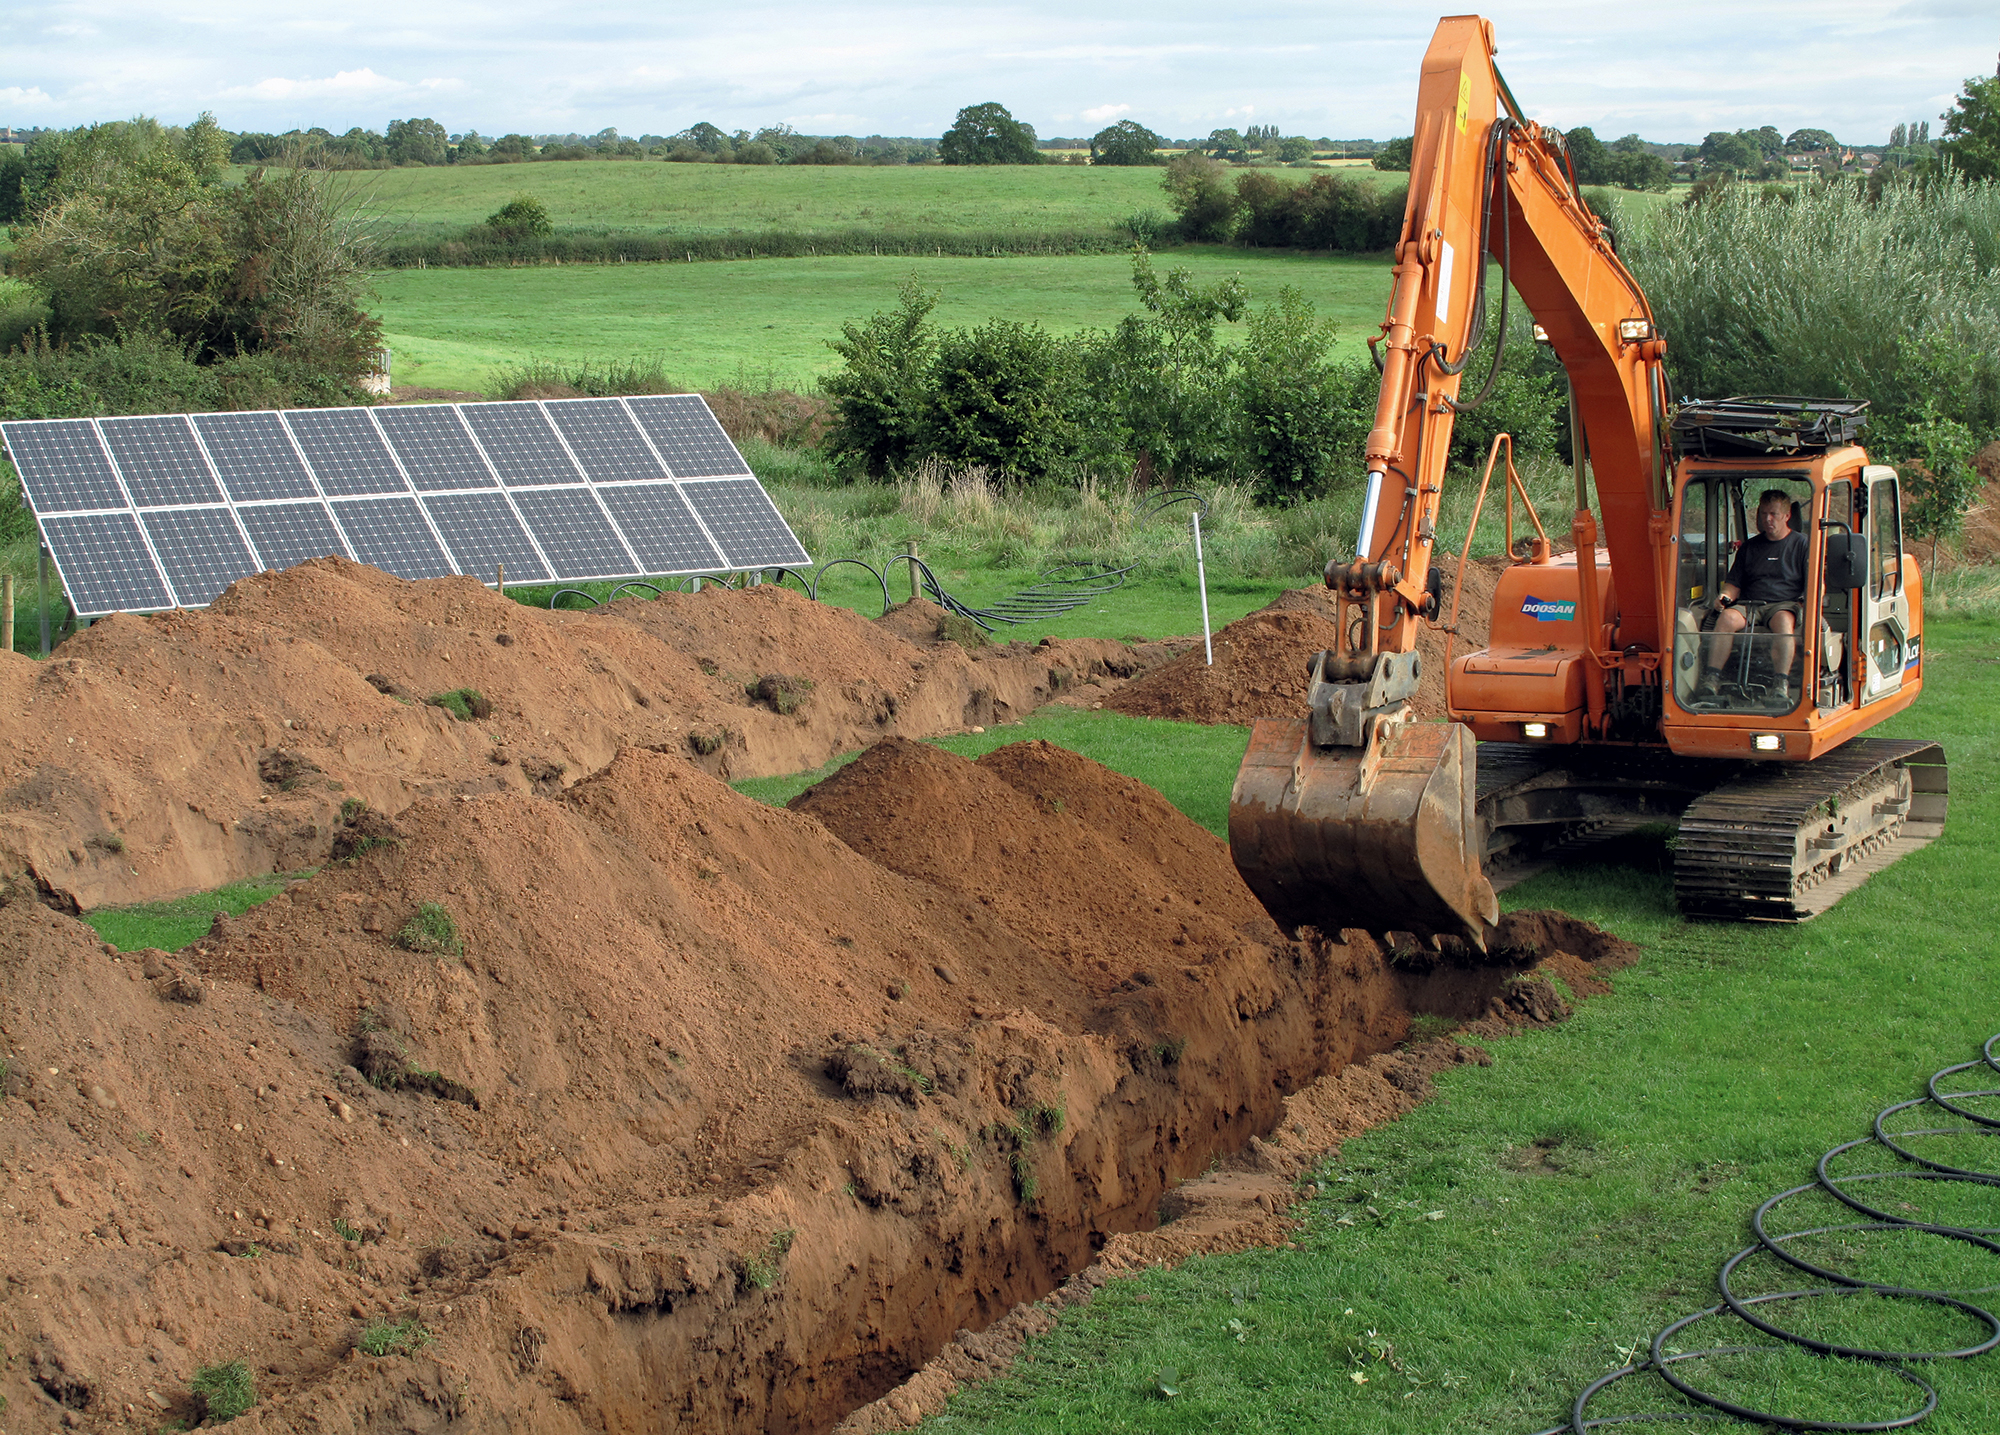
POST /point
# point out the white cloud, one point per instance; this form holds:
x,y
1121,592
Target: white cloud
x,y
347,84
33,98
362,84
1105,114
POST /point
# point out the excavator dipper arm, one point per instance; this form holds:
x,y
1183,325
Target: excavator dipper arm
x,y
1354,816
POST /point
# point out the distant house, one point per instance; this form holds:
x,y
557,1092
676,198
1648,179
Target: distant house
x,y
1867,160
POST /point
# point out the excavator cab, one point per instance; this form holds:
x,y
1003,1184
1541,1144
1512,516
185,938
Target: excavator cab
x,y
1748,656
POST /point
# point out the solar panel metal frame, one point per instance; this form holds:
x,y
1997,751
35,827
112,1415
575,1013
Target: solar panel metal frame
x,y
98,470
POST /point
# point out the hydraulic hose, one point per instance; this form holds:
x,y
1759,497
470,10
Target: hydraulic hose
x,y
1758,1311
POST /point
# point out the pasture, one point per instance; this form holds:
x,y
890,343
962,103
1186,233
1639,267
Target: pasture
x,y
764,323
725,198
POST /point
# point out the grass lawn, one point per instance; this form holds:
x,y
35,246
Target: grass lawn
x,y
765,322
721,198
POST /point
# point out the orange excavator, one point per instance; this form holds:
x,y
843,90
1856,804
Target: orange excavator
x,y
1630,680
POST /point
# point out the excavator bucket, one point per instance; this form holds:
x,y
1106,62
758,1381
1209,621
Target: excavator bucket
x,y
1382,838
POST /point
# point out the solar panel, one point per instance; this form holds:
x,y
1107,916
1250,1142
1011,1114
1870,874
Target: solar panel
x,y
163,510
606,441
661,528
255,456
62,466
160,461
435,449
482,530
201,550
391,534
104,564
745,522
345,451
687,435
289,533
573,531
521,445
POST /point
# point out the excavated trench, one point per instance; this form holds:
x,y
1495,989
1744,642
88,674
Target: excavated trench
x,y
713,1116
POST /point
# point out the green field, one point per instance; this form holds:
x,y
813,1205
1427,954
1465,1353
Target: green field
x,y
765,322
720,198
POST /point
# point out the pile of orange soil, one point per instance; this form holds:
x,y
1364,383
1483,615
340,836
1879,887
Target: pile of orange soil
x,y
711,1117
1260,660
157,755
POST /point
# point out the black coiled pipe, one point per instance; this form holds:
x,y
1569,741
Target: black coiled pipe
x,y
1758,1312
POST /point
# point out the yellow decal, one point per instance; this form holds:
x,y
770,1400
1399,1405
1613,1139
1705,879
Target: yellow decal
x,y
1464,100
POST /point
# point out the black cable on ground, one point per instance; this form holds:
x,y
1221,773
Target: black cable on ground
x,y
1662,1359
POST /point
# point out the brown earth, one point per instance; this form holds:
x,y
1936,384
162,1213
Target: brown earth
x,y
709,1115
1260,660
158,755
724,1118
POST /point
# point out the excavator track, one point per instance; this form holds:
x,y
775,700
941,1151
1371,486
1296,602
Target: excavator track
x,y
1775,842
1784,842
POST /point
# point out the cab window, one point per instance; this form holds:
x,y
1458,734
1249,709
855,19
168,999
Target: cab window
x,y
1885,542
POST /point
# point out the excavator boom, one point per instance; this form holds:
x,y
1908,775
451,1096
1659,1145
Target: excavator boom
x,y
1353,815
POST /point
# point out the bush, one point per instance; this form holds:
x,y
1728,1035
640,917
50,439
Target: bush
x,y
224,1391
1304,417
148,373
1526,400
1894,299
881,397
1000,400
1939,481
131,228
1329,211
521,217
1198,190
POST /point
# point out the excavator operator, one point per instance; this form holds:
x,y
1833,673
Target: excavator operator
x,y
1766,584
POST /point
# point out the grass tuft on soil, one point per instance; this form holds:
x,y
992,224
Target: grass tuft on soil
x,y
382,1336
224,1391
431,930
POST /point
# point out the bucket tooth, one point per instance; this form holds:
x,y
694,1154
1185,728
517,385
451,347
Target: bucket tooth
x,y
1379,837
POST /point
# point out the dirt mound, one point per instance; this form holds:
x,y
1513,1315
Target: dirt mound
x,y
1260,660
153,756
686,1111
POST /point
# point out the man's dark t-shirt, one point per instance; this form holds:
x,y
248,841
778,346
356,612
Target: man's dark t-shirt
x,y
1770,570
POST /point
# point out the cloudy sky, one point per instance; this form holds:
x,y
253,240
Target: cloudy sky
x,y
1346,70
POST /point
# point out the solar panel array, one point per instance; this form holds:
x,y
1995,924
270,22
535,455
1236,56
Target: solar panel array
x,y
167,510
